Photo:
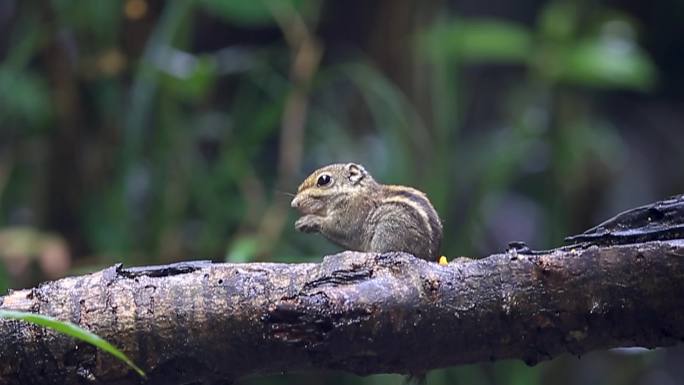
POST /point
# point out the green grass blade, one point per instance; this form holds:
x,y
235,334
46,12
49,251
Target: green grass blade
x,y
71,330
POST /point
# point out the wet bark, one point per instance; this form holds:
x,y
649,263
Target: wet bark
x,y
362,313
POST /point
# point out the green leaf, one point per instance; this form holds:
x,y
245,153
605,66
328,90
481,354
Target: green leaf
x,y
558,21
608,63
197,80
480,41
100,21
24,97
71,330
242,250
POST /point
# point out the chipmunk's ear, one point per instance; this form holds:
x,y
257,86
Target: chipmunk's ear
x,y
356,172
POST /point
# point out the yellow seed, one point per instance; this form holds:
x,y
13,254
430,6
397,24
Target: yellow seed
x,y
443,261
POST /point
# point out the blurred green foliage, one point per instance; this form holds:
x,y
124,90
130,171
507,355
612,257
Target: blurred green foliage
x,y
71,330
146,131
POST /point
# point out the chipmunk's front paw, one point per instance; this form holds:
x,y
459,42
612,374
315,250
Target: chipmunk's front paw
x,y
308,224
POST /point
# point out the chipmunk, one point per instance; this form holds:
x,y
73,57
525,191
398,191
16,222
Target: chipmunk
x,y
345,204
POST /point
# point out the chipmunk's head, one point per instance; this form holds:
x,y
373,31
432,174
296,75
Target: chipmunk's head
x,y
328,184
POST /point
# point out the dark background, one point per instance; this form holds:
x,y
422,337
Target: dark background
x,y
149,132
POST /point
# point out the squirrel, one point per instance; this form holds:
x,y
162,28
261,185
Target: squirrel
x,y
347,206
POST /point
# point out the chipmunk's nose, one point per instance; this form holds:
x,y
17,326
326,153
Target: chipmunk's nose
x,y
295,202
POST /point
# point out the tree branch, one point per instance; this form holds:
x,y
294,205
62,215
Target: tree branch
x,y
362,313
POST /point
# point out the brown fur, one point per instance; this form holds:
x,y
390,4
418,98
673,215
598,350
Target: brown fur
x,y
356,212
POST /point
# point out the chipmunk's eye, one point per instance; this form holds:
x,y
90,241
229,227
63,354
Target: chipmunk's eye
x,y
323,180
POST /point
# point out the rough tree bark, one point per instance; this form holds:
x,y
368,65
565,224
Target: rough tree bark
x,y
362,313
